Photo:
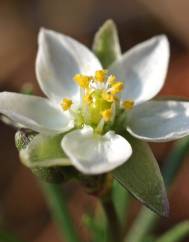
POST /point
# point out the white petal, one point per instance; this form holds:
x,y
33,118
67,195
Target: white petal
x,y
159,121
59,58
95,154
143,69
33,112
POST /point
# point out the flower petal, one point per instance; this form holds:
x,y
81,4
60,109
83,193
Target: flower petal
x,y
35,113
95,154
159,121
59,58
143,69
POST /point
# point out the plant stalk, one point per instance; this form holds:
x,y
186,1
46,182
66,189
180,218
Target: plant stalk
x,y
114,226
60,211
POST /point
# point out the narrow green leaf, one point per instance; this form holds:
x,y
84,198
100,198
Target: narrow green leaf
x,y
142,226
176,234
106,44
141,176
44,151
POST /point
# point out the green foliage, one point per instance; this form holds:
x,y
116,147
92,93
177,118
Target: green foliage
x,y
49,174
176,234
106,44
121,199
146,221
175,159
142,177
97,226
143,225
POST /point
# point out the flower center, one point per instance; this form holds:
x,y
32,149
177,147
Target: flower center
x,y
99,100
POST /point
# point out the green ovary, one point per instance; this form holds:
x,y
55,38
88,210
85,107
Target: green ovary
x,y
92,112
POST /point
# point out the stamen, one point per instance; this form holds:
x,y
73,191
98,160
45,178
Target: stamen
x,y
109,97
107,114
99,100
100,75
111,79
117,87
88,98
82,80
128,104
66,104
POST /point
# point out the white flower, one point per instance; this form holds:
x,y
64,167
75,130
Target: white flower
x,y
90,106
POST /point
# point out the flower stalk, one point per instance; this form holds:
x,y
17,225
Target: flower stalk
x,y
60,212
114,226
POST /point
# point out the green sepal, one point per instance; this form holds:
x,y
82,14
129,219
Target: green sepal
x,y
44,151
44,156
141,176
106,44
51,175
56,174
23,138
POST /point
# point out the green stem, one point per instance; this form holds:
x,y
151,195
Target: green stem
x,y
60,211
121,201
114,226
147,220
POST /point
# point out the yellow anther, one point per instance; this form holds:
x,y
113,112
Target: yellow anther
x,y
100,75
111,79
88,98
117,87
66,104
82,80
107,114
109,97
128,104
